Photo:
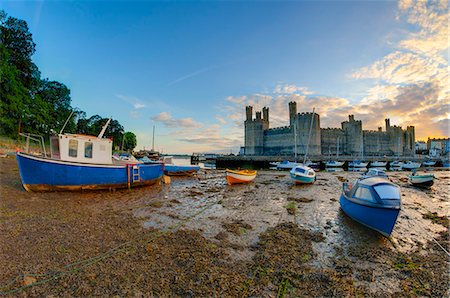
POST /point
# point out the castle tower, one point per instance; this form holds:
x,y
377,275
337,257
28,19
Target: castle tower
x,y
302,127
388,123
353,136
292,112
265,119
254,133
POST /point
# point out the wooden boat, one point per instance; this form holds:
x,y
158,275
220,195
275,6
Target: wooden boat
x,y
240,176
374,202
423,180
303,175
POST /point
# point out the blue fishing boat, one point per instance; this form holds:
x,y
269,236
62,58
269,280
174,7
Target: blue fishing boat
x,y
303,175
374,202
79,162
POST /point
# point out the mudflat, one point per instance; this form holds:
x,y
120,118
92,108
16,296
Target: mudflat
x,y
200,237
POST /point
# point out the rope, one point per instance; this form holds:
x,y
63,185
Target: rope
x,y
90,261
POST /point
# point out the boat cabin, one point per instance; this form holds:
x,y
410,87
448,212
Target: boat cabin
x,y
374,191
305,171
81,148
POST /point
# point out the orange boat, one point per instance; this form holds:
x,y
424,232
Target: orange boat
x,y
240,176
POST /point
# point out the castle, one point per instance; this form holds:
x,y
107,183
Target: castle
x,y
351,139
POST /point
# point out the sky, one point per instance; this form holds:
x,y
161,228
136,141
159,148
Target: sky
x,y
190,68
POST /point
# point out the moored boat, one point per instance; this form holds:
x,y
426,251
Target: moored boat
x,y
240,176
171,169
411,165
357,164
334,164
79,162
396,164
429,163
374,202
287,165
374,172
421,180
378,164
302,175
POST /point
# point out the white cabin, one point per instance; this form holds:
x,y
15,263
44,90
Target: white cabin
x,y
81,148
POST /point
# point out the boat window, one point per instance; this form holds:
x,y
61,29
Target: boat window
x,y
300,170
55,147
88,149
387,191
73,148
364,193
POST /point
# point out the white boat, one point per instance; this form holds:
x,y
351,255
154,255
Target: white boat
x,y
287,165
396,164
374,172
410,165
274,164
357,164
424,180
334,164
429,163
303,175
378,164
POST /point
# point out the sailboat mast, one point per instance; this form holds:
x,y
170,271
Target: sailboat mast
x,y
295,141
337,149
153,139
309,136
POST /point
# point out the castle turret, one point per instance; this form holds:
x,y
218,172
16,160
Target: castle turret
x,y
388,123
353,136
265,119
248,113
292,112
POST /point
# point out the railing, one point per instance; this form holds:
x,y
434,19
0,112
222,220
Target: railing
x,y
34,137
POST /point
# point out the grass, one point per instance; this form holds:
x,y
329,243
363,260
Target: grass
x,y
291,208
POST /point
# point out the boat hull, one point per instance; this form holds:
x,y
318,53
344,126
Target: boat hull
x,y
234,178
172,170
378,164
336,164
299,179
424,181
381,220
43,174
357,165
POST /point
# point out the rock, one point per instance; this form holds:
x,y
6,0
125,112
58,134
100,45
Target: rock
x,y
28,280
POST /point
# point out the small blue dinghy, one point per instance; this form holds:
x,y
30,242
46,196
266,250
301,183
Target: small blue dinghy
x,y
374,202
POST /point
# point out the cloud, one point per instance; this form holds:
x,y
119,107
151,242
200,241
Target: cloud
x,y
291,89
166,119
135,102
212,138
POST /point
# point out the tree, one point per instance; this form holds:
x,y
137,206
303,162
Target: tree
x,y
129,141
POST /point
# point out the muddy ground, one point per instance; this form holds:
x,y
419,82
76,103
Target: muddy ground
x,y
200,237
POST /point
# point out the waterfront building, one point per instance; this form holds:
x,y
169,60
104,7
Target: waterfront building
x,y
260,139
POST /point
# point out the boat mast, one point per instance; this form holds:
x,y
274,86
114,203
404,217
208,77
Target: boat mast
x,y
337,149
65,123
295,140
309,136
153,139
100,135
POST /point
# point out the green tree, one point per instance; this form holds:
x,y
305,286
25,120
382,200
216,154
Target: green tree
x,y
129,141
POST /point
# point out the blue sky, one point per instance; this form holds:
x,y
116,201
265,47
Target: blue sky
x,y
191,67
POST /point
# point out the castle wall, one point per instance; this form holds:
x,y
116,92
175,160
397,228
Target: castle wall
x,y
279,141
303,126
329,141
376,143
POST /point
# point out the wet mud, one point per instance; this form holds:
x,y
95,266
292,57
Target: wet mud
x,y
200,237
